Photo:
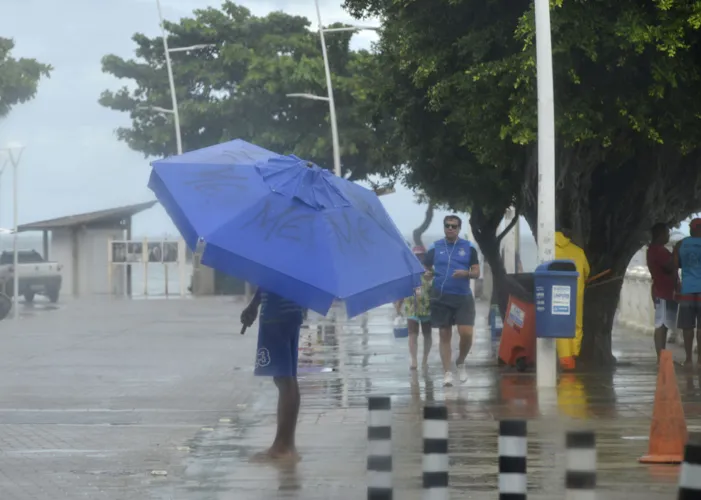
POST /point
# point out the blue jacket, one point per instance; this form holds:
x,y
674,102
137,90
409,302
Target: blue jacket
x,y
446,258
690,263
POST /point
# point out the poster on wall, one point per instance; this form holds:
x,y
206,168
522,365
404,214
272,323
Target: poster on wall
x,y
155,251
127,252
130,252
170,251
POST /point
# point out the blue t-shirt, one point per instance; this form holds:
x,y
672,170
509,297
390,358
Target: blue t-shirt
x,y
276,309
446,258
690,263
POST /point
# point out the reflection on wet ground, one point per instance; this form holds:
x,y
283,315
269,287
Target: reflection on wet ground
x,y
343,362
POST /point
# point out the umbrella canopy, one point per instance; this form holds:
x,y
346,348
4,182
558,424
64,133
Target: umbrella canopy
x,y
287,226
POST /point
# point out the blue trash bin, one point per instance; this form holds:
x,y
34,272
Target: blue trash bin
x,y
495,323
556,299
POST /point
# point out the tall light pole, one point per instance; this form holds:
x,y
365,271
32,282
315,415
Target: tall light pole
x,y
546,365
14,153
171,79
329,86
2,171
329,90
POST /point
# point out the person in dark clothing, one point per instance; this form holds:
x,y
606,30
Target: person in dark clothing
x,y
660,263
277,357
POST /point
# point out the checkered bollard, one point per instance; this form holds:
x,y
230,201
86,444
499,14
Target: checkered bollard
x,y
690,475
379,464
435,459
580,476
513,451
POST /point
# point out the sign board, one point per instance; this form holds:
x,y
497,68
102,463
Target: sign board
x,y
561,295
131,252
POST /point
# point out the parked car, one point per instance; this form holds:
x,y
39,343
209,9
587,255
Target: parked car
x,y
36,276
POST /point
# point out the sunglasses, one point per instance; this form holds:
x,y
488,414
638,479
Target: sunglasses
x,y
451,226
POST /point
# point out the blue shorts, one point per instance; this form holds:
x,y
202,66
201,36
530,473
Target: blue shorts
x,y
278,344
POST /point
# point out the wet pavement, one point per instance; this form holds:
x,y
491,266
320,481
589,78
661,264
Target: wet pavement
x,y
155,400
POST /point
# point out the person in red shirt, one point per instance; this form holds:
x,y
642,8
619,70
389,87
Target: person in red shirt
x,y
660,263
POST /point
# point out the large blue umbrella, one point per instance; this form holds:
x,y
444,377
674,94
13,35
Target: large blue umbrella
x,y
287,226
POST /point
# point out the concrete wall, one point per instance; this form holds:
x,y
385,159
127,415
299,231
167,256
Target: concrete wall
x,y
93,260
83,254
62,252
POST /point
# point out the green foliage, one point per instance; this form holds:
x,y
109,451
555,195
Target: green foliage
x,y
464,80
19,78
238,89
628,117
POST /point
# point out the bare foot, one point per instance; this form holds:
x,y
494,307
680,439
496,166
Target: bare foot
x,y
275,455
412,366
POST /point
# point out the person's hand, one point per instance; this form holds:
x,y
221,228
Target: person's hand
x,y
461,273
249,315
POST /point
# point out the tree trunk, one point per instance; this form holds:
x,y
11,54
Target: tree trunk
x,y
600,304
484,229
419,231
610,219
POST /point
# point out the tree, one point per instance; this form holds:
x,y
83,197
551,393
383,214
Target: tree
x,y
238,88
417,233
19,78
627,119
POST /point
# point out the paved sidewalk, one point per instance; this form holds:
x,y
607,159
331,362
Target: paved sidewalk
x,y
155,400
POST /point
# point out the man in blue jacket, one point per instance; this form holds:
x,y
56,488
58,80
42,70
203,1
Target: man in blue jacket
x,y
454,262
687,256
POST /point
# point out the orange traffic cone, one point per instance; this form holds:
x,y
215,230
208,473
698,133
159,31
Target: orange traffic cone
x,y
668,434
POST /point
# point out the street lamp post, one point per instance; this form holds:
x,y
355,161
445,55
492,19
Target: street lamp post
x,y
329,90
14,153
2,171
329,86
546,371
171,81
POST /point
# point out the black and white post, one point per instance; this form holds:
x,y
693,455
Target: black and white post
x,y
580,476
690,475
513,452
379,464
435,459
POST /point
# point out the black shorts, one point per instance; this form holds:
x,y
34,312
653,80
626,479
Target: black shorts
x,y
689,316
448,310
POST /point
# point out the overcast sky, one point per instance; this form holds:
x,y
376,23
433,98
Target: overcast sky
x,y
73,162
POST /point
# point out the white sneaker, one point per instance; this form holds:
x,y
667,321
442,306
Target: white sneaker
x,y
448,379
462,373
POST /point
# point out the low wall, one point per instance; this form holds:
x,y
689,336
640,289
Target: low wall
x,y
635,308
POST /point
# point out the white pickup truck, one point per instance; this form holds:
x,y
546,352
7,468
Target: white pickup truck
x,y
36,276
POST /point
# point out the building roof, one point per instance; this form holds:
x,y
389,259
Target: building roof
x,y
88,218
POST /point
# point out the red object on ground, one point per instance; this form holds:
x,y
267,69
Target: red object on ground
x,y
517,346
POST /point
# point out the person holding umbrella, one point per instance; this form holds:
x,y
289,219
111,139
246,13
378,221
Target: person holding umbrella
x,y
305,237
277,357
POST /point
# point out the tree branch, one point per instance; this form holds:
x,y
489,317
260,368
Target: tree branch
x,y
517,215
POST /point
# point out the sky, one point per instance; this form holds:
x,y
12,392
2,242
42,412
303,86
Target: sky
x,y
72,161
